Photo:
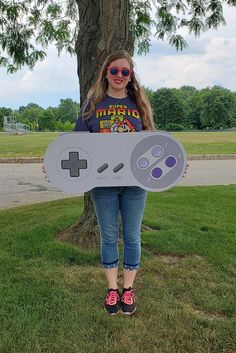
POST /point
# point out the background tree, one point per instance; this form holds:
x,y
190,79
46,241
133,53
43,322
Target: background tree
x,y
174,109
185,95
93,29
217,105
30,115
233,111
47,119
193,110
67,110
167,108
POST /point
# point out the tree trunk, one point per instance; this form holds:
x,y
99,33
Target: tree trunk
x,y
104,27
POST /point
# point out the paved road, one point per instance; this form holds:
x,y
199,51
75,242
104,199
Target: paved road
x,y
22,184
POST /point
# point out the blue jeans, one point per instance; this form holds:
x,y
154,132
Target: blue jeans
x,y
130,201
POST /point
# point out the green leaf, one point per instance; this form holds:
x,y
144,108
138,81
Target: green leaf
x,y
178,42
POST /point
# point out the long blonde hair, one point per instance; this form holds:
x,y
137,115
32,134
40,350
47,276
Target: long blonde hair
x,y
98,91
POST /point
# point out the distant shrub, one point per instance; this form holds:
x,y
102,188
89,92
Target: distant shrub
x,y
174,127
68,126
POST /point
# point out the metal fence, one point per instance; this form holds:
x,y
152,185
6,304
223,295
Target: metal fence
x,y
11,126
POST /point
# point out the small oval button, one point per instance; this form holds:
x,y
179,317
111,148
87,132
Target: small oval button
x,y
102,168
118,167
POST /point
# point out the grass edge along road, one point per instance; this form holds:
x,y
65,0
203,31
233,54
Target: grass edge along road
x,y
35,144
52,292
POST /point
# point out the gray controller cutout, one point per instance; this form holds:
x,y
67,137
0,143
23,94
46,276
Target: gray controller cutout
x,y
79,161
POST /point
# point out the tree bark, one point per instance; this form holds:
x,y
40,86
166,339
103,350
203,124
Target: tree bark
x,y
104,27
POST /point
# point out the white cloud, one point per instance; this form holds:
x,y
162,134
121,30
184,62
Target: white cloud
x,y
54,76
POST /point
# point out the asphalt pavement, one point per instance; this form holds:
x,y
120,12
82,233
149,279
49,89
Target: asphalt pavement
x,y
24,183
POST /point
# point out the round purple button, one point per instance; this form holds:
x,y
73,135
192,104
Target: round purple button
x,y
156,151
143,163
170,161
156,173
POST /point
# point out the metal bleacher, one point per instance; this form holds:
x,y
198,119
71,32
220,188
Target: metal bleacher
x,y
11,126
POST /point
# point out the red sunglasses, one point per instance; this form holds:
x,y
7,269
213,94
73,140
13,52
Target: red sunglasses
x,y
113,70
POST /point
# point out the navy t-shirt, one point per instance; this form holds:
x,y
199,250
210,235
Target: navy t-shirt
x,y
112,115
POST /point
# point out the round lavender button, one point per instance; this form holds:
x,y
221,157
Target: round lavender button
x,y
143,163
156,173
170,161
156,151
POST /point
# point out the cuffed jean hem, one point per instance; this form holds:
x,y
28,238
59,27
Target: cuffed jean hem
x,y
110,265
130,267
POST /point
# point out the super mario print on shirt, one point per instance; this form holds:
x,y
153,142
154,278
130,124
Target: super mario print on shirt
x,y
112,115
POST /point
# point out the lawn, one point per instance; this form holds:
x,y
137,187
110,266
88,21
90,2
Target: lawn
x,y
52,292
208,142
35,144
30,145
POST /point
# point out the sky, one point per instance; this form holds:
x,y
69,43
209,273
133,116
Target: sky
x,y
209,60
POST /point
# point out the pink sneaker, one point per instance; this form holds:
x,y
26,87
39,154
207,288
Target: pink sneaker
x,y
128,301
112,301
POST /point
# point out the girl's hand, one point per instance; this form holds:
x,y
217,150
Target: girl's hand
x,y
186,169
44,172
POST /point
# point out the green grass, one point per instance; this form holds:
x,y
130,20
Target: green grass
x,y
30,145
35,144
52,293
208,142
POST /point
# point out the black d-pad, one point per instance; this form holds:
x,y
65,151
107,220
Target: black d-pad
x,y
74,164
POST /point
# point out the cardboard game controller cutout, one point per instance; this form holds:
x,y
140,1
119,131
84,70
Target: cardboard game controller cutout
x,y
79,161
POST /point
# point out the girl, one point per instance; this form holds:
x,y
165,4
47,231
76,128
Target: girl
x,y
117,103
